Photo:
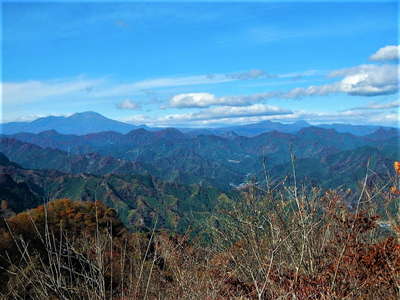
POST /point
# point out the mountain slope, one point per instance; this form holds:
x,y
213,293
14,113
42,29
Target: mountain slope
x,y
138,200
17,195
31,156
182,165
345,168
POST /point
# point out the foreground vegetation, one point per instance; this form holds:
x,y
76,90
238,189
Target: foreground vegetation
x,y
281,242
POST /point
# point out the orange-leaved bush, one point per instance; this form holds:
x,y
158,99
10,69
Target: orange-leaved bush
x,y
396,166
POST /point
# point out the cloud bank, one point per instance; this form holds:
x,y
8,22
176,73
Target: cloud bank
x,y
214,113
213,118
364,80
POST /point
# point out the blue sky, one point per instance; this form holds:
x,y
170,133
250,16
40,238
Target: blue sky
x,y
202,64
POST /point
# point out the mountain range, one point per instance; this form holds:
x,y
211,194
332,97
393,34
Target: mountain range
x,y
217,161
92,122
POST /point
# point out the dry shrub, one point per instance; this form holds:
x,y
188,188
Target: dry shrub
x,y
76,250
280,243
307,245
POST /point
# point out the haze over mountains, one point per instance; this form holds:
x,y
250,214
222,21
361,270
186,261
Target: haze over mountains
x,y
92,122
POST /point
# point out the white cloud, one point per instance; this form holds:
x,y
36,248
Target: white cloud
x,y
214,113
193,100
386,53
299,75
350,117
203,100
33,90
137,86
369,80
36,90
391,118
85,88
252,74
128,104
258,112
363,80
234,112
379,106
257,74
134,87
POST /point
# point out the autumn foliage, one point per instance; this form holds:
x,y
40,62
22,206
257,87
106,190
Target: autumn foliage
x,y
289,243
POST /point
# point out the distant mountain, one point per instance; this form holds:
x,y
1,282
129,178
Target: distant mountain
x,y
359,130
92,122
79,123
248,130
384,134
266,126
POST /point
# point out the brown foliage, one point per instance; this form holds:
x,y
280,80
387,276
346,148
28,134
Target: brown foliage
x,y
80,245
287,246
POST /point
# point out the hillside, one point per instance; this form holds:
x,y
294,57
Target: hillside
x,y
137,199
32,156
345,169
184,166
